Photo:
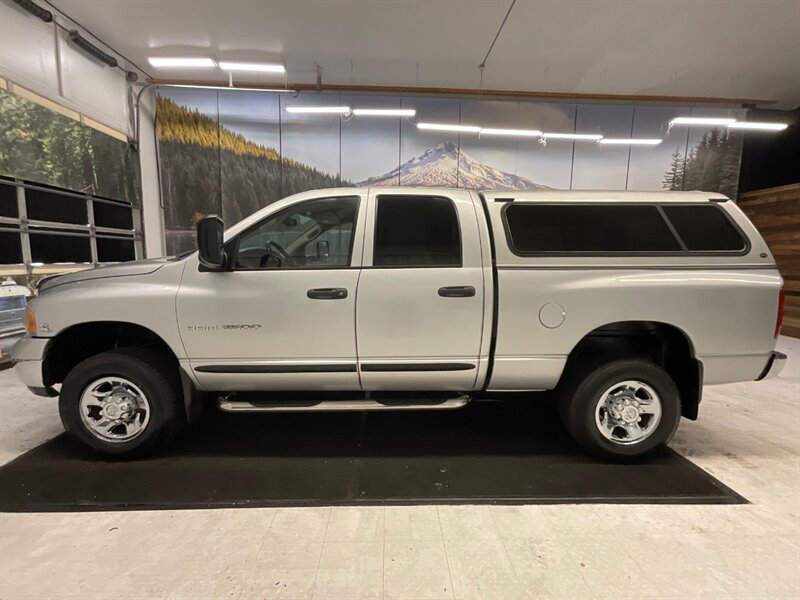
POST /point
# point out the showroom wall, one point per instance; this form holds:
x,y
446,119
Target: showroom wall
x,y
233,152
70,189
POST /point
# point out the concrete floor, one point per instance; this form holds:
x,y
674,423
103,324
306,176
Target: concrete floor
x,y
748,436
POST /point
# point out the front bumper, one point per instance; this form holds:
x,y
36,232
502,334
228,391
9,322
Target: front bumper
x,y
28,356
775,364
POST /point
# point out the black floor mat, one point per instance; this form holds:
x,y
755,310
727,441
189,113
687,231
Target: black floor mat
x,y
509,452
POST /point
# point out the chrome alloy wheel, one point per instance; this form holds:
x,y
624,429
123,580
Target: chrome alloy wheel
x,y
114,409
628,412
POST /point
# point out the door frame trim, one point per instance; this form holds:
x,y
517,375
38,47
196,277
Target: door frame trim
x,y
418,367
292,368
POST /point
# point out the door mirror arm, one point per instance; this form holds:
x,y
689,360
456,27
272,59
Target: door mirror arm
x,y
210,244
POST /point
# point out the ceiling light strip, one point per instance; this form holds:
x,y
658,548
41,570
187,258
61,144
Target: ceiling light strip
x,y
338,110
449,127
758,125
701,121
384,112
253,67
589,137
511,132
631,141
181,62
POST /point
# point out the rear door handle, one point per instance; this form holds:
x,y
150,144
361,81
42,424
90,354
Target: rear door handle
x,y
327,293
457,291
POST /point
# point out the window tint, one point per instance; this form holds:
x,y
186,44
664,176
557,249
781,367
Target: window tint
x,y
314,234
118,216
115,249
10,248
8,201
416,231
588,228
704,228
51,206
52,248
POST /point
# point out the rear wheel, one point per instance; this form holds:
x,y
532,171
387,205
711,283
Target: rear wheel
x,y
123,402
622,409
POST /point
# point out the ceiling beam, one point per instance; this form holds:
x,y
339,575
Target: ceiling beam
x,y
479,93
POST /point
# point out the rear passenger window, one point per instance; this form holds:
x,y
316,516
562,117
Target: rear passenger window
x,y
704,228
603,228
416,231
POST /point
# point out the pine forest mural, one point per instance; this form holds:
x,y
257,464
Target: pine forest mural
x,y
711,165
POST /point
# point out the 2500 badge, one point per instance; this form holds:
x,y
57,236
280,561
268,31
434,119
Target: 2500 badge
x,y
238,327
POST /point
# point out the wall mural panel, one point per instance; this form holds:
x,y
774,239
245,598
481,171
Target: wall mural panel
x,y
42,146
549,164
234,152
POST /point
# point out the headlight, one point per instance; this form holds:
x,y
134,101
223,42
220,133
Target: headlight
x,y
30,322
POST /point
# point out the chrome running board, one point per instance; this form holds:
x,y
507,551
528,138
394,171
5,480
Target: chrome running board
x,y
342,405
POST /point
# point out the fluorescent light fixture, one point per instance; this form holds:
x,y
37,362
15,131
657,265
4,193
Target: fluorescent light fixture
x,y
158,61
631,141
384,112
258,67
758,125
573,136
701,121
511,132
338,110
447,127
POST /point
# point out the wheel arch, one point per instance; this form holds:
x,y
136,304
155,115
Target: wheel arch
x,y
665,344
84,340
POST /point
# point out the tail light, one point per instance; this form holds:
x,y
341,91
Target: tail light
x,y
779,320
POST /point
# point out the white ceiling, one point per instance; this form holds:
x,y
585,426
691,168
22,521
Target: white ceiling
x,y
719,48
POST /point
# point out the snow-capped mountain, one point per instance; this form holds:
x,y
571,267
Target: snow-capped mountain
x,y
444,166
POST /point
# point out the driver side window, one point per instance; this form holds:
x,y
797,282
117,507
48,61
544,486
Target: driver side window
x,y
315,234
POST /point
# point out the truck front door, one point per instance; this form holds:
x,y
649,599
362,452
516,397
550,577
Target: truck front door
x,y
283,316
420,307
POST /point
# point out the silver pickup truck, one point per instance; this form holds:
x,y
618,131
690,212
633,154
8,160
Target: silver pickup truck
x,y
624,303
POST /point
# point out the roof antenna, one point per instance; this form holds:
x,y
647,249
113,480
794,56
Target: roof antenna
x,y
319,77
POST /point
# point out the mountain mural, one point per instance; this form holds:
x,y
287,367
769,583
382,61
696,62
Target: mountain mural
x,y
445,166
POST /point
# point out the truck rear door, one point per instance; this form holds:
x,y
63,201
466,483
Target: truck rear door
x,y
421,293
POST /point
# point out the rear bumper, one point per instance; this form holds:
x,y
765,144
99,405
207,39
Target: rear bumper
x,y
774,366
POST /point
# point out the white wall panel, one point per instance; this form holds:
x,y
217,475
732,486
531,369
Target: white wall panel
x,y
97,89
27,50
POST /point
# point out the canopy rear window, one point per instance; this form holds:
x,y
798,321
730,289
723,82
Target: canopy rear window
x,y
598,229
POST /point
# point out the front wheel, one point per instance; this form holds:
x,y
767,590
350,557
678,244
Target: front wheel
x,y
622,409
122,402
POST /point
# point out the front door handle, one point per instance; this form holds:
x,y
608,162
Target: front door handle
x,y
327,293
457,291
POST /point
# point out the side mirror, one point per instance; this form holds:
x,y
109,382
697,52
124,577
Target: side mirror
x,y
210,231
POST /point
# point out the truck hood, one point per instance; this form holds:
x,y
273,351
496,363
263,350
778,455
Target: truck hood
x,y
137,267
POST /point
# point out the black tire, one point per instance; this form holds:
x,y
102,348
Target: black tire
x,y
157,377
581,392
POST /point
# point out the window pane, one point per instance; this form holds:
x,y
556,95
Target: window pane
x,y
416,231
705,228
313,234
10,248
8,201
115,250
49,248
584,228
52,206
117,216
